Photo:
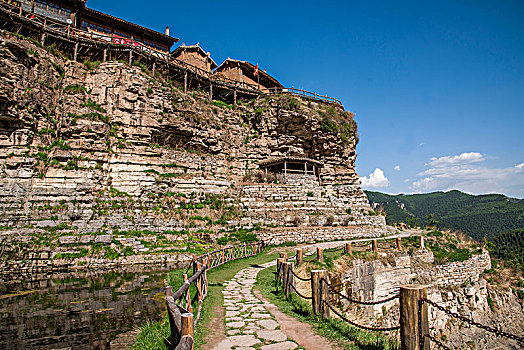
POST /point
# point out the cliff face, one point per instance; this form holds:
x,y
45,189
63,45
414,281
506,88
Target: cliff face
x,y
103,146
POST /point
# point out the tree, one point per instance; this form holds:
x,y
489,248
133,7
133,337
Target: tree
x,y
431,220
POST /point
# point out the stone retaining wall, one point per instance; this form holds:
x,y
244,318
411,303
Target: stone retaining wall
x,y
458,273
316,234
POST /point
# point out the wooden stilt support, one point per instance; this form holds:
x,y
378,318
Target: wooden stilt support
x,y
235,97
347,248
185,82
374,246
105,55
413,318
210,92
75,54
130,58
397,241
154,68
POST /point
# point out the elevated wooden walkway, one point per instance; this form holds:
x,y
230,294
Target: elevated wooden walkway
x,y
92,45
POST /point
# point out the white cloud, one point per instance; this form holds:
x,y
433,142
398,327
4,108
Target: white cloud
x,y
463,158
397,167
461,172
376,179
421,144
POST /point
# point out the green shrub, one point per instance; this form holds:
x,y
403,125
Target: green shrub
x,y
90,65
222,104
328,125
93,105
75,88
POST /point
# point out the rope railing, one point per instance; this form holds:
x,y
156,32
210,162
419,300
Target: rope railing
x,y
300,294
368,328
473,323
300,278
354,301
436,341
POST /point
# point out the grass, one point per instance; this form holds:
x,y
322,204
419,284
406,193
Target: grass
x,y
151,336
348,337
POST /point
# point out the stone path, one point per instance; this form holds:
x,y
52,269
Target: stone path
x,y
248,322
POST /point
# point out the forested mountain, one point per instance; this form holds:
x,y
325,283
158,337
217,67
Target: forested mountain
x,y
509,246
478,216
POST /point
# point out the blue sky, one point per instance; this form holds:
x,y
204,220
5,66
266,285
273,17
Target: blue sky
x,y
437,86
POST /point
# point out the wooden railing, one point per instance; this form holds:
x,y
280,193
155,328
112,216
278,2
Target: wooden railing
x,y
305,94
180,304
325,298
113,42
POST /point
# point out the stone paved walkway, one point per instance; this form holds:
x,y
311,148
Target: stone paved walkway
x,y
248,323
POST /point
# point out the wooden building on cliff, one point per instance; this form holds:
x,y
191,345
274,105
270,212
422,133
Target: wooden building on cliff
x,y
97,24
248,73
195,56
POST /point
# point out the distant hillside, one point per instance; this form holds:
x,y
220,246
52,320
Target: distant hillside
x,y
477,216
510,247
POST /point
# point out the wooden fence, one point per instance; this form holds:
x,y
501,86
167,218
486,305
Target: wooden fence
x,y
304,94
413,302
180,304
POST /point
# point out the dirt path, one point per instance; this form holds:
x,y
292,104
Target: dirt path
x,y
302,332
252,320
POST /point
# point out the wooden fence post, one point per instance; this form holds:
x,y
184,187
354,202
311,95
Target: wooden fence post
x,y
320,255
411,327
324,295
174,331
206,266
285,271
187,326
199,283
399,246
422,246
189,307
290,281
283,256
316,297
194,264
374,246
280,261
347,248
300,257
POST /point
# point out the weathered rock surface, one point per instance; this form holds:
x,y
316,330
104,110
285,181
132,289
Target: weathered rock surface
x,y
91,149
